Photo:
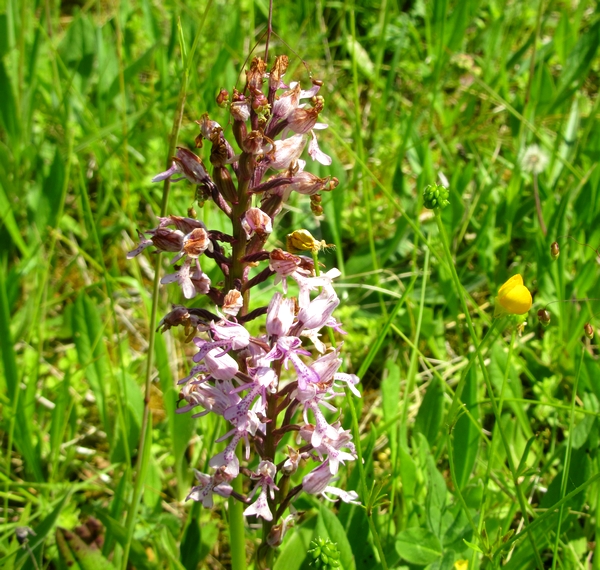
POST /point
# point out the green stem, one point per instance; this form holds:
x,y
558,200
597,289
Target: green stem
x,y
492,450
522,502
412,368
237,537
565,473
141,465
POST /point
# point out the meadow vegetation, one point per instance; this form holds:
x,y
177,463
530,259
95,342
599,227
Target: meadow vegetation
x,y
479,437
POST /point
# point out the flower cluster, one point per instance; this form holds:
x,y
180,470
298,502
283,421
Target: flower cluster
x,y
271,386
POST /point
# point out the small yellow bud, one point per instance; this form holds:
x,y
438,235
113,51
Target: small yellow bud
x,y
302,240
513,298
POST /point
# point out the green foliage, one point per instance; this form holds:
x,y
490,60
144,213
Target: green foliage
x,y
418,95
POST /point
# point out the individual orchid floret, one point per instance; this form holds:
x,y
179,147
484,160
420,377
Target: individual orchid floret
x,y
257,222
216,399
265,474
208,126
289,265
308,184
317,483
315,152
327,368
240,110
286,152
280,315
178,316
288,349
241,415
302,120
226,335
185,225
332,446
163,239
319,310
291,464
227,460
189,166
218,484
219,364
192,284
232,303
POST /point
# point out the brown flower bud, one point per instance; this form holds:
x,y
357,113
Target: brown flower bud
x,y
223,98
224,183
255,75
544,317
219,152
589,330
254,142
247,165
277,71
554,250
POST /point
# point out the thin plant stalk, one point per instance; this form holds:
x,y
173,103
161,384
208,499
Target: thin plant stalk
x,y
146,417
492,449
565,474
490,389
412,368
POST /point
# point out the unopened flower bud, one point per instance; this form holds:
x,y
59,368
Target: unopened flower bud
x,y
223,98
435,196
554,250
222,179
255,75
254,143
544,317
589,330
277,71
303,240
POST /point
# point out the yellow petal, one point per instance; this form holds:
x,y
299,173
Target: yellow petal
x,y
512,282
517,301
513,298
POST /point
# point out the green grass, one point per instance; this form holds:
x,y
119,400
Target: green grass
x,y
414,90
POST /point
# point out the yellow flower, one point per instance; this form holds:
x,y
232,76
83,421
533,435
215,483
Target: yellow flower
x,y
513,298
461,565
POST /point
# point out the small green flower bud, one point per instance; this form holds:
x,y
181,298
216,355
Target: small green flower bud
x,y
435,196
325,554
589,330
554,250
544,317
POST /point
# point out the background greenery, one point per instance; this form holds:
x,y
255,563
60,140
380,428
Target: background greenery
x,y
414,91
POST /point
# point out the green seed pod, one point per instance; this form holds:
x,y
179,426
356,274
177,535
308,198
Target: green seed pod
x,y
435,196
325,554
